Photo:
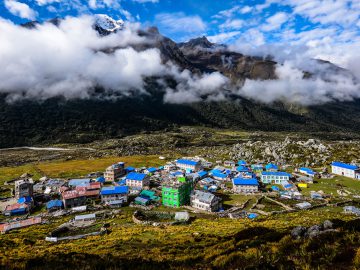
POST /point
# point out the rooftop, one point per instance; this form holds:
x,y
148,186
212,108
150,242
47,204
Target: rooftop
x,y
136,176
114,190
202,196
276,173
344,165
187,162
245,181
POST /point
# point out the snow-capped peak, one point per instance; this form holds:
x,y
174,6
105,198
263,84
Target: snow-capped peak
x,y
107,23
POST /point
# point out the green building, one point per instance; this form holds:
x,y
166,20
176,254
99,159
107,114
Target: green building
x,y
177,192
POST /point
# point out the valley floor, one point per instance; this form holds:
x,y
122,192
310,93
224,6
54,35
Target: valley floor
x,y
208,241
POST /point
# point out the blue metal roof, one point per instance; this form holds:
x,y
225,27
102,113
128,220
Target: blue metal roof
x,y
244,181
271,166
26,199
151,169
308,170
100,179
219,175
202,173
344,165
252,215
187,162
18,211
114,190
136,176
79,182
276,173
241,162
54,203
242,169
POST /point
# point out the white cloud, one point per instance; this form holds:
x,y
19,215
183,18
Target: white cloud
x,y
19,9
180,23
223,37
96,4
275,21
68,60
46,2
291,87
196,88
230,24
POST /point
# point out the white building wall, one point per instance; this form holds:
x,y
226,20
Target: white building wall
x,y
343,171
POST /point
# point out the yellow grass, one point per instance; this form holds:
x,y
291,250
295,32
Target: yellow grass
x,y
75,168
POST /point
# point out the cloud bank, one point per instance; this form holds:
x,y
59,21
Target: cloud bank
x,y
68,60
291,86
73,61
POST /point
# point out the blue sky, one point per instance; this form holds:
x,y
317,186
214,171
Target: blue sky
x,y
328,29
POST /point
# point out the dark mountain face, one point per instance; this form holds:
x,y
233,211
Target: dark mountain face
x,y
29,122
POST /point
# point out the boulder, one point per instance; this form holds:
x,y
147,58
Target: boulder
x,y
298,232
327,225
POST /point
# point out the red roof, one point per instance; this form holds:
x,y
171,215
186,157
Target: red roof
x,y
16,206
19,224
80,192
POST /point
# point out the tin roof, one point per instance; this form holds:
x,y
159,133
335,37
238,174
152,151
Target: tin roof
x,y
245,181
136,176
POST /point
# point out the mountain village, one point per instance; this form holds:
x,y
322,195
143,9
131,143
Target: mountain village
x,y
172,193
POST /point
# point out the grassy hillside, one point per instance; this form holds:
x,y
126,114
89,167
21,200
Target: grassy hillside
x,y
79,121
74,168
206,243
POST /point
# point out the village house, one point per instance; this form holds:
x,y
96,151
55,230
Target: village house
x,y
351,210
151,170
205,201
242,162
307,171
219,174
137,181
271,167
275,177
15,225
187,164
169,167
79,182
54,205
257,168
242,168
24,188
53,185
242,185
115,195
21,207
229,163
114,172
344,169
85,217
146,197
79,195
176,192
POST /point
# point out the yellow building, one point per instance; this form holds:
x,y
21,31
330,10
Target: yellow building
x,y
302,185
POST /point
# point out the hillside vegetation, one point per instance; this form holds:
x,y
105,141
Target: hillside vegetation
x,y
30,122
